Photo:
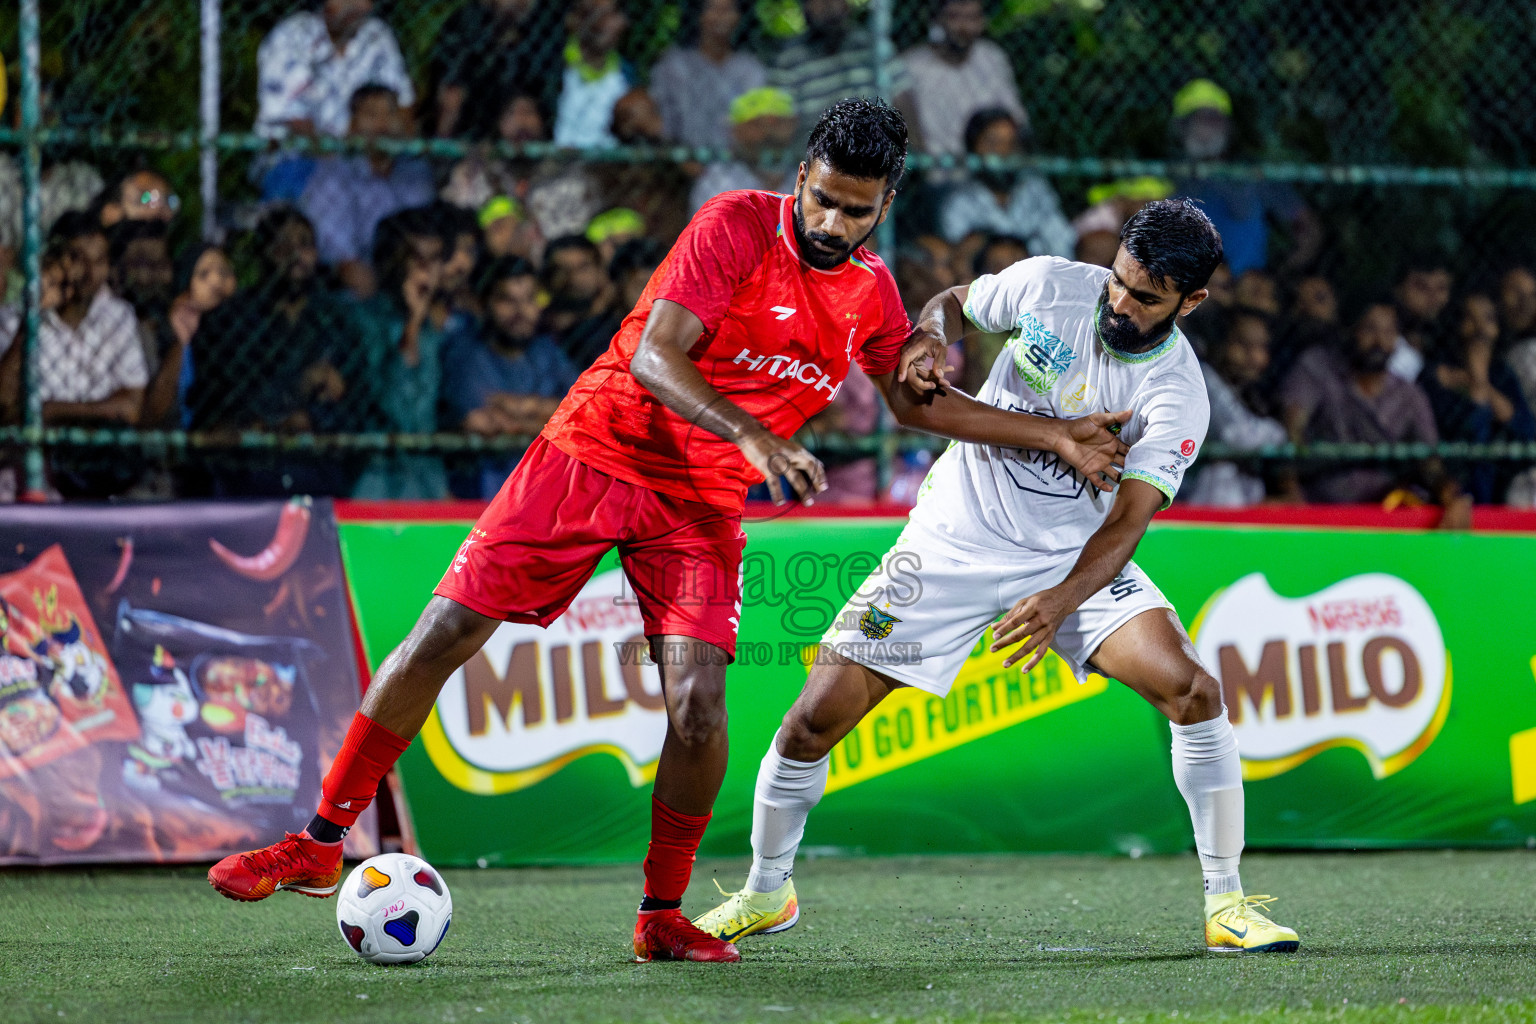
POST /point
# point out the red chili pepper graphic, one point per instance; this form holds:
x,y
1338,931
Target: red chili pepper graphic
x,y
277,557
122,566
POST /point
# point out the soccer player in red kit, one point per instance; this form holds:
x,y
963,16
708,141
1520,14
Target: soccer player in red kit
x,y
746,330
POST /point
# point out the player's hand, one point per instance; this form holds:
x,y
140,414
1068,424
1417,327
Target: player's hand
x,y
923,362
1092,446
1033,620
773,456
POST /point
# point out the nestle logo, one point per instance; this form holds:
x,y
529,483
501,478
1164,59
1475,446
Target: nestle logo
x,y
1360,614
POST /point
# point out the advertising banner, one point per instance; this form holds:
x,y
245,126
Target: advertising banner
x,y
174,679
1380,682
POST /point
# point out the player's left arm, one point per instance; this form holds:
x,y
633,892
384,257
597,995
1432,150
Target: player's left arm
x,y
1035,619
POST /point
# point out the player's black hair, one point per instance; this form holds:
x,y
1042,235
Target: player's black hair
x,y
862,138
635,254
502,268
1175,242
982,120
392,244
74,224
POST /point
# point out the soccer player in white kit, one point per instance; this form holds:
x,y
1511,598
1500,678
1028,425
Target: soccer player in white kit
x,y
1021,535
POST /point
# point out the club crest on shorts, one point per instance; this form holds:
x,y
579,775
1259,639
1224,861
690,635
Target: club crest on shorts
x,y
876,624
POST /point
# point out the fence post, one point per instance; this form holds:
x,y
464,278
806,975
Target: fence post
x,y
885,52
209,118
35,484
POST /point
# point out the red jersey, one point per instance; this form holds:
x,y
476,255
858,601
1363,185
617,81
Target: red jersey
x,y
779,337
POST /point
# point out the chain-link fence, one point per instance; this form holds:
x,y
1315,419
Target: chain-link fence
x,y
224,170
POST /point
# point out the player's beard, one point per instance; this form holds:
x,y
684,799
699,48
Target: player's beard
x,y
815,257
1120,333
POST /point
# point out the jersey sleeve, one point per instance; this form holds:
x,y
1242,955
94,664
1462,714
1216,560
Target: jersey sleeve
x,y
718,250
993,301
880,352
1172,414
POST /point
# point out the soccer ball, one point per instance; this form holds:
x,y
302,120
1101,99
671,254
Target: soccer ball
x,y
394,909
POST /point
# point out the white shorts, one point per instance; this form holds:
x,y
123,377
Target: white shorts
x,y
918,616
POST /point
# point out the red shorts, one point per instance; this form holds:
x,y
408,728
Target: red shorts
x,y
554,519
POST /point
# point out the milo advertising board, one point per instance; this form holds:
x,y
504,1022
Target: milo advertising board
x,y
1335,651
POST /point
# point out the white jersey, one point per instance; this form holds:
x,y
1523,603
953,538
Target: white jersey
x,y
986,498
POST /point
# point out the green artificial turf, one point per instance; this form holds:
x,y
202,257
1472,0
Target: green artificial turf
x,y
1425,936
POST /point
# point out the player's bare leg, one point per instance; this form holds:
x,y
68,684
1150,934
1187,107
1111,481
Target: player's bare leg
x,y
688,777
793,776
398,701
1154,656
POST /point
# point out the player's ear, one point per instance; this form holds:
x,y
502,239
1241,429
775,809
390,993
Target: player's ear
x,y
890,197
800,178
1192,300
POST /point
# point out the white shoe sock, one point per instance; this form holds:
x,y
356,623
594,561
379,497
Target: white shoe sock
x,y
1209,774
786,792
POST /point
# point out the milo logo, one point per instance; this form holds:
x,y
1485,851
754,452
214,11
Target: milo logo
x,y
534,700
1360,664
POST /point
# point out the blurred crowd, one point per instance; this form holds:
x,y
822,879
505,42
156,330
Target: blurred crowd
x,y
389,291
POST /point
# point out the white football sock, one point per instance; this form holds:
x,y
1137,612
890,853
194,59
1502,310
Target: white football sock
x,y
786,792
1209,774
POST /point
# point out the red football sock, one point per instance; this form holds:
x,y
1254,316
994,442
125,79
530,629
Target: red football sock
x,y
674,847
367,755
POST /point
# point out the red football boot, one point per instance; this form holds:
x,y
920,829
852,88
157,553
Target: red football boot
x,y
297,863
668,935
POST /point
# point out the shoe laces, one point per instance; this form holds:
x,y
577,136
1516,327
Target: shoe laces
x,y
677,931
279,858
1249,907
740,913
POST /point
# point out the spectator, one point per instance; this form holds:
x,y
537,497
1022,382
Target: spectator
x,y
958,73
762,121
310,66
832,60
1315,301
1517,318
580,316
403,351
479,176
90,363
1313,320
1243,211
1344,392
142,273
500,375
613,228
631,268
204,280
70,185
637,120
1422,293
1257,290
595,75
507,230
998,253
54,287
456,303
853,478
924,267
1004,200
349,194
144,194
699,77
1475,397
1238,361
273,358
488,50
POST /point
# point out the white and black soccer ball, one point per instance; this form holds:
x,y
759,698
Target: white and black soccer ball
x,y
394,909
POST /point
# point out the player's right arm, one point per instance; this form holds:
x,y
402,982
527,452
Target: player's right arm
x,y
928,404
662,366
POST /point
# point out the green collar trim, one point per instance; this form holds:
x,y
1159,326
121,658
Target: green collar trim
x,y
588,72
1139,357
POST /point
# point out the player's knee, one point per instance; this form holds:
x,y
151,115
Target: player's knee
x,y
799,740
447,633
698,710
1198,699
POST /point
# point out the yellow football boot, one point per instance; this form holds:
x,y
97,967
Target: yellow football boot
x,y
1233,924
751,913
